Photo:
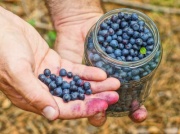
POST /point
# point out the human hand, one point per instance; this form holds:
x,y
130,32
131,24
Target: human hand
x,y
24,55
71,34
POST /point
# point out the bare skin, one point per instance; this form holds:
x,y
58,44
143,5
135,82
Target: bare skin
x,y
72,21
24,55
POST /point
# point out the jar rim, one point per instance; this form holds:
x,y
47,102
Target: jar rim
x,y
124,63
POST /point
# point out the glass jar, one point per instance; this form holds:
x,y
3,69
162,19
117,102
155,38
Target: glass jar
x,y
135,77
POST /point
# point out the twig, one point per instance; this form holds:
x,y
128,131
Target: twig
x,y
43,26
145,6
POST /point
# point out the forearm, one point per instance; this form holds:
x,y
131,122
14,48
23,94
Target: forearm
x,y
63,11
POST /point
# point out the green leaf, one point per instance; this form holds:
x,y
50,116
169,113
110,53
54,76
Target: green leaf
x,y
52,35
143,50
32,22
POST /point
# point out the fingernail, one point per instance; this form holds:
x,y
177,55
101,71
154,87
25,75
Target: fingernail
x,y
49,112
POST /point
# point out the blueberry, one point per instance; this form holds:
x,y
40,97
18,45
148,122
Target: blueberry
x,y
130,31
135,72
124,24
100,39
150,41
80,90
72,83
135,27
47,81
148,52
118,21
62,72
103,25
114,43
47,72
132,41
134,16
119,32
119,39
147,68
88,92
149,35
96,57
58,80
139,41
136,53
141,70
140,56
135,47
129,58
152,65
114,37
109,50
42,77
145,73
108,39
104,33
115,75
114,18
121,46
128,46
117,52
52,85
76,78
141,28
136,78
105,44
81,96
73,88
131,51
115,26
65,85
121,15
79,82
149,47
107,21
141,22
111,31
127,17
74,96
99,64
69,74
110,71
123,74
66,97
125,42
53,77
119,58
103,48
90,46
125,52
136,34
112,55
131,23
144,44
123,58
146,30
125,36
135,59
65,91
86,85
58,91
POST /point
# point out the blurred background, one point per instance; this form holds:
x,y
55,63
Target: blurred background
x,y
163,103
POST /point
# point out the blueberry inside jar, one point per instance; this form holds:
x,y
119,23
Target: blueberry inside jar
x,y
125,43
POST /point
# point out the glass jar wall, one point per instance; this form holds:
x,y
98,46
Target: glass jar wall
x,y
135,76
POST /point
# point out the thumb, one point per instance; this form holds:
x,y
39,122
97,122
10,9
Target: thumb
x,y
37,96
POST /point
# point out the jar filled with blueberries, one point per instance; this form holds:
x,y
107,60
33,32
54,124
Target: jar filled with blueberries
x,y
125,43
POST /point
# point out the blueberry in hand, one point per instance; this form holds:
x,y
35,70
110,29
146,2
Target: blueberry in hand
x,y
47,72
52,85
87,85
62,72
58,80
42,77
66,97
52,77
58,92
69,74
88,92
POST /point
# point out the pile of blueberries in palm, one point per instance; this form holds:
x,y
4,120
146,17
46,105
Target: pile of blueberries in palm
x,y
74,90
125,37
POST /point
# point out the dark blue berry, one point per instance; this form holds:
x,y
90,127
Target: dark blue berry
x,y
141,22
115,26
121,46
81,96
88,92
69,74
136,34
111,31
86,85
114,43
121,15
103,48
136,78
149,47
109,50
135,59
65,85
150,41
62,72
124,24
134,16
117,52
135,27
58,91
76,78
100,39
131,51
47,72
135,72
90,46
74,95
108,39
73,88
104,25
47,81
145,73
139,41
66,97
129,58
123,74
144,37
125,36
114,18
125,52
104,33
79,82
42,77
105,44
128,46
135,47
114,37
141,56
58,80
80,90
96,57
65,91
125,42
130,31
119,58
112,55
119,32
110,71
52,85
127,17
148,52
108,21
99,64
119,39
146,30
123,58
53,77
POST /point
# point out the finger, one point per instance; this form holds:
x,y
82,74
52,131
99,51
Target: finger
x,y
139,115
92,105
110,84
85,72
29,87
98,119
